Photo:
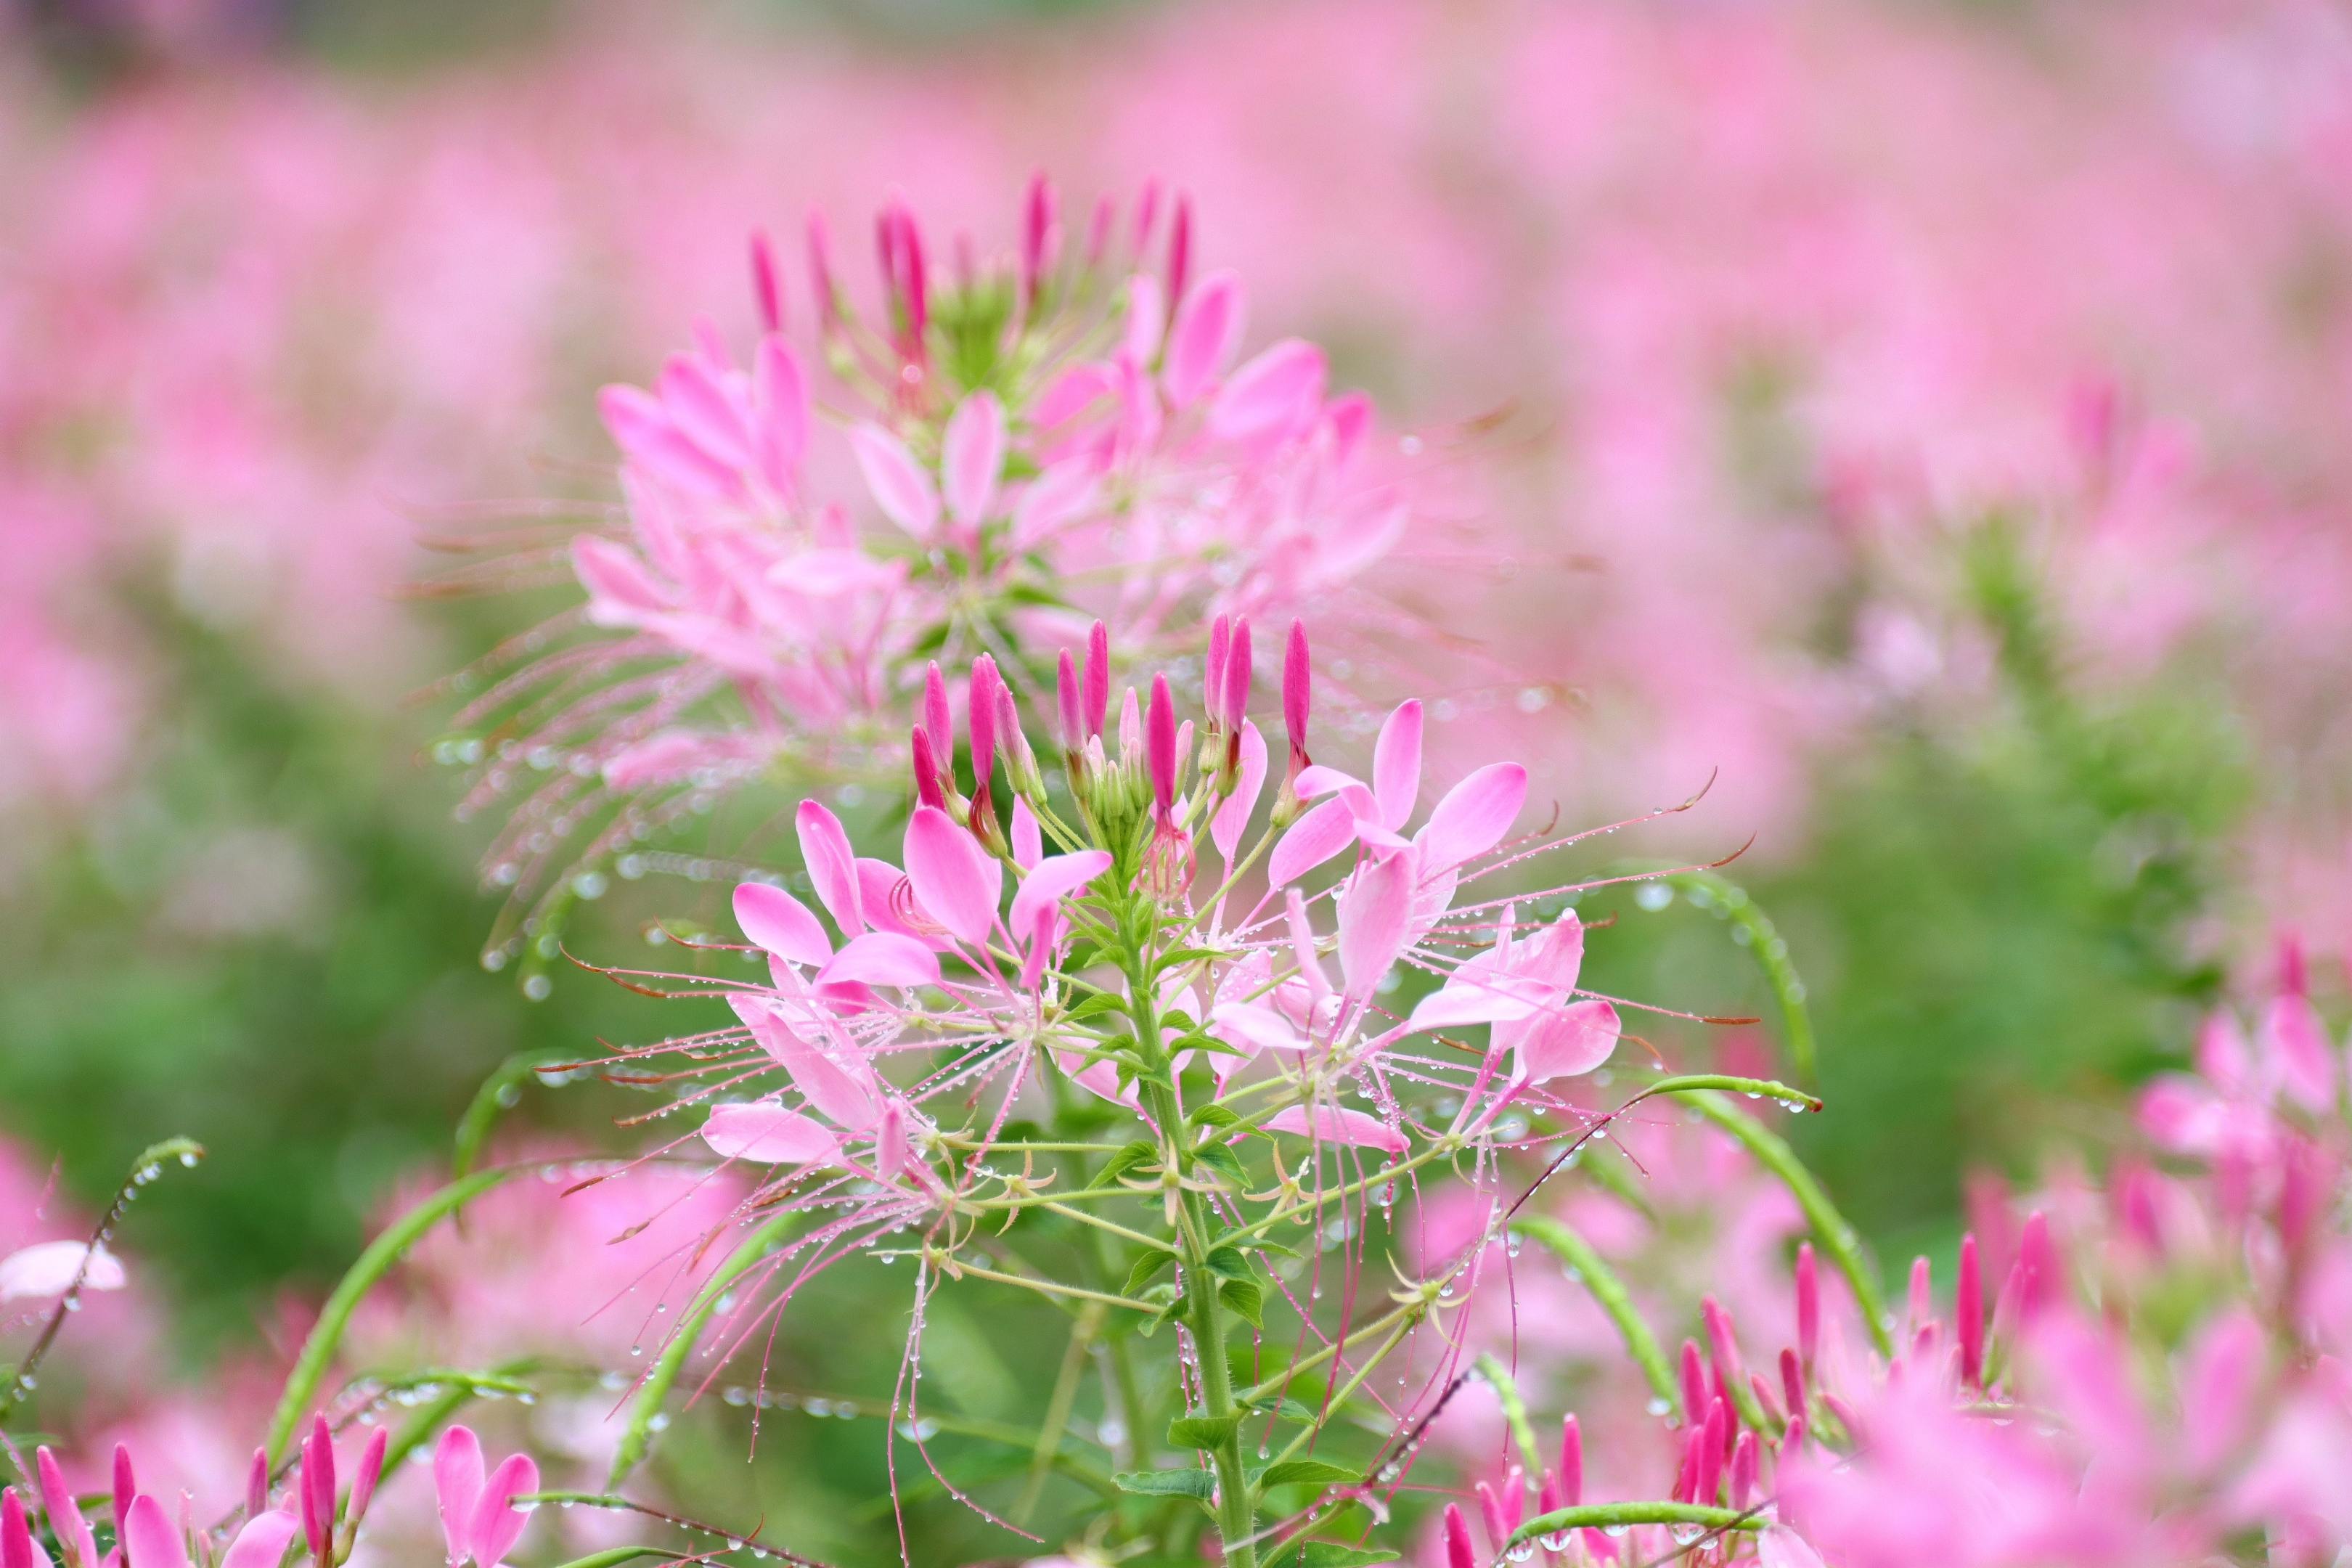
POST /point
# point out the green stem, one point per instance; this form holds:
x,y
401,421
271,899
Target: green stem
x,y
1515,1413
1603,1515
1727,901
1609,1292
1830,1227
319,1349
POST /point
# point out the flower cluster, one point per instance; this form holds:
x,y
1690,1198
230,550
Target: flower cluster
x,y
1060,426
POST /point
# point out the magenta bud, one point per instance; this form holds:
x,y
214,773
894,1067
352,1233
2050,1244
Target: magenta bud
x,y
371,1471
1711,1441
927,772
319,1488
126,1487
1923,1292
1097,678
1179,253
1793,1439
1793,1383
1695,1389
1037,234
1073,731
2041,1279
1490,1514
985,683
1147,211
1743,1469
1298,693
16,1532
1571,1462
1213,671
767,288
937,719
1809,1304
1098,227
819,256
1459,1552
1967,1311
1549,1498
65,1521
1235,696
1159,746
1766,1400
256,1485
1723,1346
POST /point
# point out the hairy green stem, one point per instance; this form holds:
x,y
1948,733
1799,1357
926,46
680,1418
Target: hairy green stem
x,y
1609,1292
1515,1413
1603,1515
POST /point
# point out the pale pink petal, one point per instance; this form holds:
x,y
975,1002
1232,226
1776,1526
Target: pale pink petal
x,y
971,455
1232,820
848,1099
1071,392
1348,419
1311,840
458,1481
1028,838
1207,330
1396,765
1318,780
1062,492
1253,1028
2223,1369
900,487
657,447
768,1134
830,573
2294,1043
1373,913
957,880
498,1523
1576,1039
704,413
1272,394
148,1539
832,865
619,589
262,1542
1780,1547
883,958
1054,878
1147,312
780,388
781,923
1473,815
1474,996
48,1268
1334,1125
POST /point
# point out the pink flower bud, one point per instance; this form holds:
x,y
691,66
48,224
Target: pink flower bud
x,y
1147,211
1459,1553
1792,1383
937,719
1968,1310
1809,1305
1159,746
126,1487
1072,720
819,256
1180,251
16,1546
65,1521
1694,1390
370,1470
1923,1292
767,288
1792,1440
985,684
1712,1439
1038,237
317,1488
927,772
1743,1469
1723,1346
1235,696
1097,678
1213,671
1549,1498
1571,1463
256,1485
2043,1281
1490,1513
1297,690
1099,229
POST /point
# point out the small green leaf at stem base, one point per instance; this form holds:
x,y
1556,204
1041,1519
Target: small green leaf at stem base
x,y
1314,1472
1245,1299
1202,1431
1333,1554
1199,1485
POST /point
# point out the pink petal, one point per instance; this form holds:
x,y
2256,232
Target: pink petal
x,y
1062,492
832,864
1334,1125
653,444
1348,419
1576,1039
1474,996
458,1479
1253,1028
1272,394
828,1086
498,1523
1073,391
704,413
1054,878
972,455
1232,820
828,573
2223,1369
49,1267
1312,839
1373,912
262,1542
1780,1547
1028,838
1147,312
781,923
1396,765
884,958
2296,1041
1207,330
768,1134
1318,779
956,880
1473,815
780,388
149,1540
619,589
900,488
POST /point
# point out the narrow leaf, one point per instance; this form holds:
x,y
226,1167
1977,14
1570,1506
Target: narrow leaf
x,y
1191,1483
1312,1472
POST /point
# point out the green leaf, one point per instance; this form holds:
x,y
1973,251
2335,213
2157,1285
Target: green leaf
x,y
1281,1405
1202,1431
1101,1002
1333,1554
1245,1299
1140,1152
1312,1472
1149,1264
1214,1116
1191,1483
1220,1158
1227,1263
